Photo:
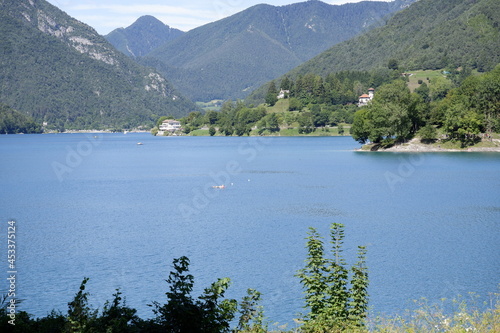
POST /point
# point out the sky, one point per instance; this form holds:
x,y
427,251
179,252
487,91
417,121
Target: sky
x,y
107,15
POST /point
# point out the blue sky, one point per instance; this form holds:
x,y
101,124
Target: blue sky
x,y
107,15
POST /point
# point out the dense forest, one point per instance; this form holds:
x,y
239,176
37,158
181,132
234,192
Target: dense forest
x,y
427,35
14,122
461,114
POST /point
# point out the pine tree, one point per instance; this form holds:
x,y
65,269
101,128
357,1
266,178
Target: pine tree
x,y
272,94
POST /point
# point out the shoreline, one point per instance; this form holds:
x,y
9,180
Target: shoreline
x,y
415,146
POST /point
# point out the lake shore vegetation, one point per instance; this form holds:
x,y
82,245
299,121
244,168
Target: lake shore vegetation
x,y
464,111
447,109
335,295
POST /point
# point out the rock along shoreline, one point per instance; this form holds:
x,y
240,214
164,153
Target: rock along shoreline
x,y
415,146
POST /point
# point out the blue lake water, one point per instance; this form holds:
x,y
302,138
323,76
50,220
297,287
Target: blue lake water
x,y
106,208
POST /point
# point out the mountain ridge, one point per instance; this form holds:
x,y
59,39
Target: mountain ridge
x,y
427,35
211,62
143,36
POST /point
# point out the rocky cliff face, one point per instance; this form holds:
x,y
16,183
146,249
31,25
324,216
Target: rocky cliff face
x,y
49,20
61,71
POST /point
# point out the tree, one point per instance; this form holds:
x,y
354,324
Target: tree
x,y
332,305
272,94
116,317
463,125
211,117
423,90
394,112
286,83
400,121
379,117
340,129
313,276
294,104
216,313
439,88
358,306
306,124
251,313
393,64
79,312
471,108
321,116
210,313
273,123
484,95
211,131
178,313
338,277
361,126
427,134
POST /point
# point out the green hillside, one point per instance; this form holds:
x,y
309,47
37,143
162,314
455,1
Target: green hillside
x,y
429,34
231,57
60,71
13,122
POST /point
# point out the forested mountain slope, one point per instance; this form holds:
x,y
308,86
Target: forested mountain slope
x,y
231,57
143,36
430,34
60,71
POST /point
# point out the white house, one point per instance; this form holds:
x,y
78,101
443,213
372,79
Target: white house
x,y
169,125
364,99
282,93
371,92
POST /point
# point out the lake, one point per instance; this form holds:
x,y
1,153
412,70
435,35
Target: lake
x,y
102,206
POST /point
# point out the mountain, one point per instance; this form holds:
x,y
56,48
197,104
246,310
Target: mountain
x,y
61,71
143,36
428,35
231,57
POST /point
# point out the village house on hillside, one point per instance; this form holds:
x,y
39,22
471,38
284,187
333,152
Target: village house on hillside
x,y
364,99
170,126
283,94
